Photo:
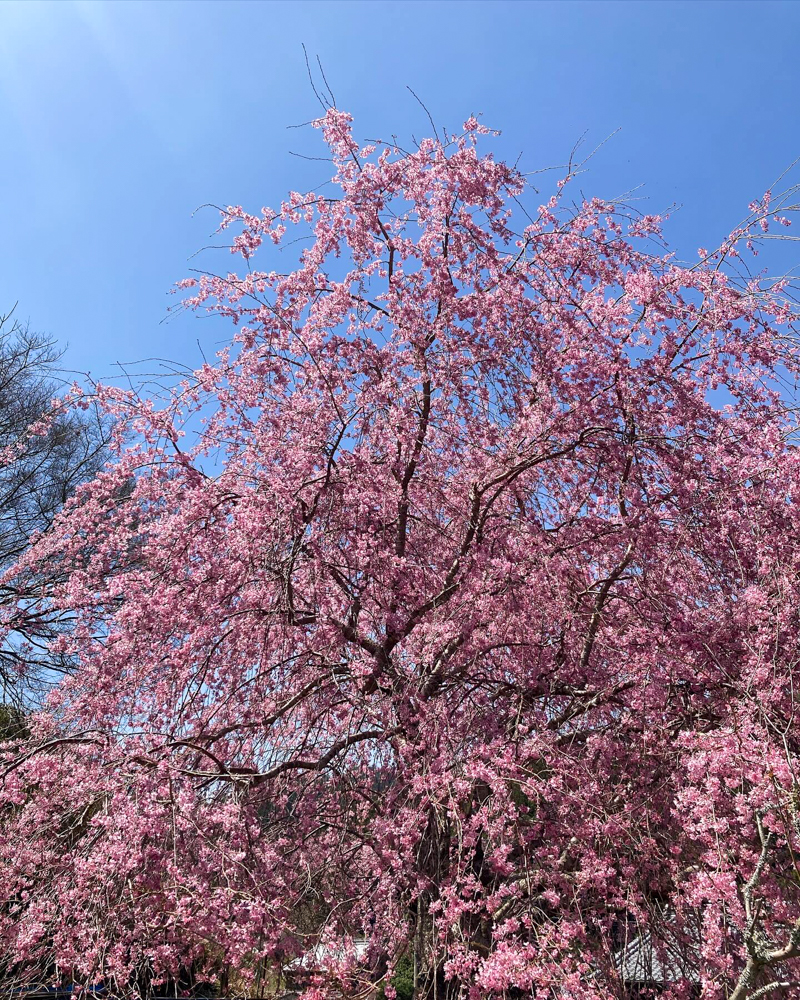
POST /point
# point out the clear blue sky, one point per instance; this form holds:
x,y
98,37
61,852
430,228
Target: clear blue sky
x,y
120,118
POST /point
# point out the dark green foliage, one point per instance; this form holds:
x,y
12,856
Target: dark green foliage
x,y
12,724
402,980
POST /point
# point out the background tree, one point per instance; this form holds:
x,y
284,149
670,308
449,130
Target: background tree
x,y
468,622
45,452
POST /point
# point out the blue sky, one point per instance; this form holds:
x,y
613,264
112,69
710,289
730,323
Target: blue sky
x,y
120,118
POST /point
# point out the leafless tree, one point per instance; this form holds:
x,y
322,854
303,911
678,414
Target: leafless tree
x,y
38,472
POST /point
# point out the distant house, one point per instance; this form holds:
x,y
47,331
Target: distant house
x,y
648,965
645,965
298,973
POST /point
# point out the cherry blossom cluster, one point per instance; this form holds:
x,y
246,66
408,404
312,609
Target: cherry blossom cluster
x,y
453,606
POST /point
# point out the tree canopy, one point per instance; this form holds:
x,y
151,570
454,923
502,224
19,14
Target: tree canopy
x,y
453,606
